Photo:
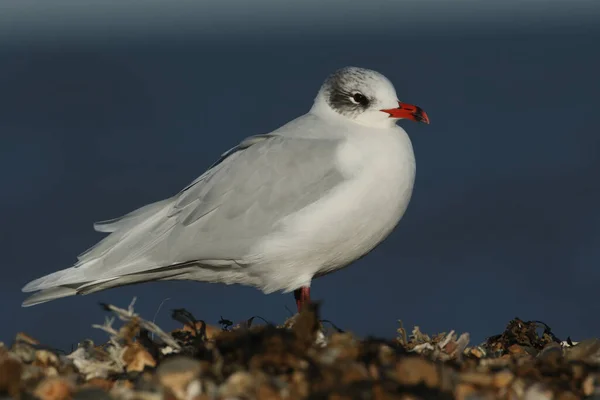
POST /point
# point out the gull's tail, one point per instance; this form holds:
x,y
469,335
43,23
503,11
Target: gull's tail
x,y
130,236
173,272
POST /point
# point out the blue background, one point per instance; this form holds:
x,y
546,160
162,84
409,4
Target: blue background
x,y
105,107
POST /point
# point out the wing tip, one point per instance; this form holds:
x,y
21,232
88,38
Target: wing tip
x,y
31,286
29,302
46,295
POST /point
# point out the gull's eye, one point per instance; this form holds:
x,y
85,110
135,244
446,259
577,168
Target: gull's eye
x,y
359,98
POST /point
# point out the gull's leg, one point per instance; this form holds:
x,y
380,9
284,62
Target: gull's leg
x,y
302,296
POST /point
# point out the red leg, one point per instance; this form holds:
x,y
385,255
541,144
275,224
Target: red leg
x,y
302,296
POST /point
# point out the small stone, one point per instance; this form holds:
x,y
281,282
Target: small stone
x,y
137,358
345,346
518,388
176,373
537,392
299,386
91,394
374,372
517,350
566,396
583,350
476,352
464,391
387,355
578,371
415,370
45,358
237,385
99,383
267,392
589,385
477,378
551,353
354,373
503,378
53,389
23,350
10,376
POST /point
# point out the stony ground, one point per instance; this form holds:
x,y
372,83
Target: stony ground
x,y
303,358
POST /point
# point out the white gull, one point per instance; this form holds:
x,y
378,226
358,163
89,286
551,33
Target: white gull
x,y
274,212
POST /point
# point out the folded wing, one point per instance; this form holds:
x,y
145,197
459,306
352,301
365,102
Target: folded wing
x,y
215,220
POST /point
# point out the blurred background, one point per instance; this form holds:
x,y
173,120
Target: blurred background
x,y
108,105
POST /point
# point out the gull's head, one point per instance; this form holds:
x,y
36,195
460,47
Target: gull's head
x,y
366,97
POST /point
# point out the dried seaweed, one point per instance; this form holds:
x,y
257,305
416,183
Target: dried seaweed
x,y
297,360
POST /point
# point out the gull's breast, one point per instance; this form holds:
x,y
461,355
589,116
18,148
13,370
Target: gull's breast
x,y
351,220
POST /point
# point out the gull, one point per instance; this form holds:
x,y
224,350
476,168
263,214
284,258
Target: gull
x,y
276,211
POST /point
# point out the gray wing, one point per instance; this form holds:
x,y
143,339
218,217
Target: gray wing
x,y
251,190
223,213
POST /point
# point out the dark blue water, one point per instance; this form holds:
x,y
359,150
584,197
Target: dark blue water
x,y
504,220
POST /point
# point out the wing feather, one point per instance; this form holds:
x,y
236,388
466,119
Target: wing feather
x,y
219,216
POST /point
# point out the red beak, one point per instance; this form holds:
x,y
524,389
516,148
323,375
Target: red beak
x,y
408,111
